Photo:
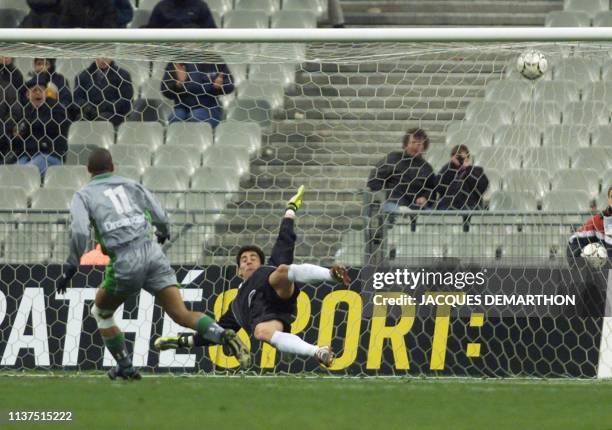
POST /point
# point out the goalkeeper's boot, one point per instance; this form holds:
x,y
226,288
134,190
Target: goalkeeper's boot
x,y
127,373
232,345
295,202
172,342
325,355
340,275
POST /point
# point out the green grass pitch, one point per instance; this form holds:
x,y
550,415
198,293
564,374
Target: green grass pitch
x,y
200,402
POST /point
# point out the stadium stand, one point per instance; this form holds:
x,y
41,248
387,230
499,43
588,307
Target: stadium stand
x,y
296,127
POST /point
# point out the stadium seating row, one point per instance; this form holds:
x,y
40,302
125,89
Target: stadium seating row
x,y
71,178
572,189
495,114
578,19
153,135
263,13
523,135
255,82
551,158
562,91
581,13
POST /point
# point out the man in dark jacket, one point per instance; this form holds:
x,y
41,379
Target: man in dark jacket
x,y
104,92
125,13
39,133
57,85
181,14
194,89
460,184
12,94
88,14
408,179
43,14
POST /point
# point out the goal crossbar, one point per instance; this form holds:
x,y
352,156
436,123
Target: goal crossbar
x,y
483,34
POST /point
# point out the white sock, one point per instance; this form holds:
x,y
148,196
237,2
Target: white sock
x,y
308,273
289,213
287,342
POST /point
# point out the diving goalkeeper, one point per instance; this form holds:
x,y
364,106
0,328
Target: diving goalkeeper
x,y
265,305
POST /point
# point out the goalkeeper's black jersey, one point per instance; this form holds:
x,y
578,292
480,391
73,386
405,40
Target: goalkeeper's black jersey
x,y
256,300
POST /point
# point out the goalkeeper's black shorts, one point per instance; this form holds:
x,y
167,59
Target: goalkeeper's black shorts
x,y
257,302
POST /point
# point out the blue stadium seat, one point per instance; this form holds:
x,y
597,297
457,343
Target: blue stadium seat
x,y
538,114
464,133
535,181
567,19
513,92
220,6
513,201
145,133
595,157
583,179
494,114
560,92
577,69
518,136
588,113
293,19
266,6
245,19
569,136
590,7
603,19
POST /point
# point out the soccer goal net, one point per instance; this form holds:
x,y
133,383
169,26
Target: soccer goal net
x,y
447,182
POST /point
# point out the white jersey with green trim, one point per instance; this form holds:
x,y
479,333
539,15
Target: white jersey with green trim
x,y
119,209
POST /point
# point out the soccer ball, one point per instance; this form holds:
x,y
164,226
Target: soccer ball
x,y
532,64
595,254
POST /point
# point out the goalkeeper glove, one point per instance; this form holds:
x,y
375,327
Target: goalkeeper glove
x,y
296,201
162,238
62,283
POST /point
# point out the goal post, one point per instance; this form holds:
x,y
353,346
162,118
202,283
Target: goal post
x,y
486,290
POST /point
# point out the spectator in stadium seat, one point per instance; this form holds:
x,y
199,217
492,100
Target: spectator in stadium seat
x,y
194,89
461,185
181,14
125,13
57,86
407,178
89,14
12,94
40,128
43,14
103,92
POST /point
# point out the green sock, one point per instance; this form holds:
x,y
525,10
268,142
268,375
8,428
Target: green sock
x,y
209,329
117,348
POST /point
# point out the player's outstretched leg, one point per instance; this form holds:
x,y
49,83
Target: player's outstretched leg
x,y
232,345
206,327
272,333
269,331
103,310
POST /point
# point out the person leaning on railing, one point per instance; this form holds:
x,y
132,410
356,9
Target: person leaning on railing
x,y
406,176
461,185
